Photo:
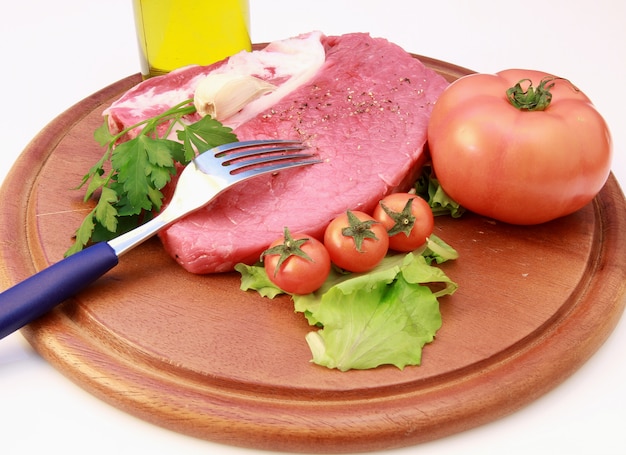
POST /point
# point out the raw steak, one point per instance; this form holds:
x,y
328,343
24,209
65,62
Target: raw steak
x,y
364,111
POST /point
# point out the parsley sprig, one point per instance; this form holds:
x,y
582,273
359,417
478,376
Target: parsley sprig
x,y
129,177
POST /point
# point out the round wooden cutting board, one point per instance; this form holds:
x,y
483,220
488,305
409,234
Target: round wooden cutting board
x,y
197,355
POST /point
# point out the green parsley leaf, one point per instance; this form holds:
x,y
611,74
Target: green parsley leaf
x,y
105,212
103,135
130,175
203,135
83,233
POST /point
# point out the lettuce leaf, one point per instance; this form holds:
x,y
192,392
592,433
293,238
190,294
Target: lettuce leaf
x,y
365,320
254,277
438,251
428,187
368,323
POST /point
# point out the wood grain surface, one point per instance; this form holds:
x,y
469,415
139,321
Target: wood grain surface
x,y
196,355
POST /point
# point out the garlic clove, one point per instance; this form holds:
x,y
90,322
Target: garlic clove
x,y
223,95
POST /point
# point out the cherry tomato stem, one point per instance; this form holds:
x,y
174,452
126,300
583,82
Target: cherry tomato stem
x,y
297,264
356,242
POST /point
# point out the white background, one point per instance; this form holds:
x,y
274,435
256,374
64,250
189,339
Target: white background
x,y
54,54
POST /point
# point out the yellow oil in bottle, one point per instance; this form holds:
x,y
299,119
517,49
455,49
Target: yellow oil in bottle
x,y
175,33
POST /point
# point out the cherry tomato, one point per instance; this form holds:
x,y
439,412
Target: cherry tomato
x,y
297,264
408,219
516,161
356,242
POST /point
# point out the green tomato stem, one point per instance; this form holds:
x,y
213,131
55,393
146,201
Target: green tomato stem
x,y
289,247
532,99
359,230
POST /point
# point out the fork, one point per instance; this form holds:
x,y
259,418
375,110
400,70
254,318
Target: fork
x,y
205,177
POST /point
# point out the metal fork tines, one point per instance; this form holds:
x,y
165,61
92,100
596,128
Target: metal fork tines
x,y
249,158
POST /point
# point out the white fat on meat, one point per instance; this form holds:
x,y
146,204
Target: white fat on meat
x,y
288,64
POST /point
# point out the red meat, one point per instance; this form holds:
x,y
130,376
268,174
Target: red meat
x,y
364,112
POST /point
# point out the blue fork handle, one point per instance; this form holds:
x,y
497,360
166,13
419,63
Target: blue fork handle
x,y
35,296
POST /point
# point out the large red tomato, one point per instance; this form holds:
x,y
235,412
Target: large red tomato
x,y
518,165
